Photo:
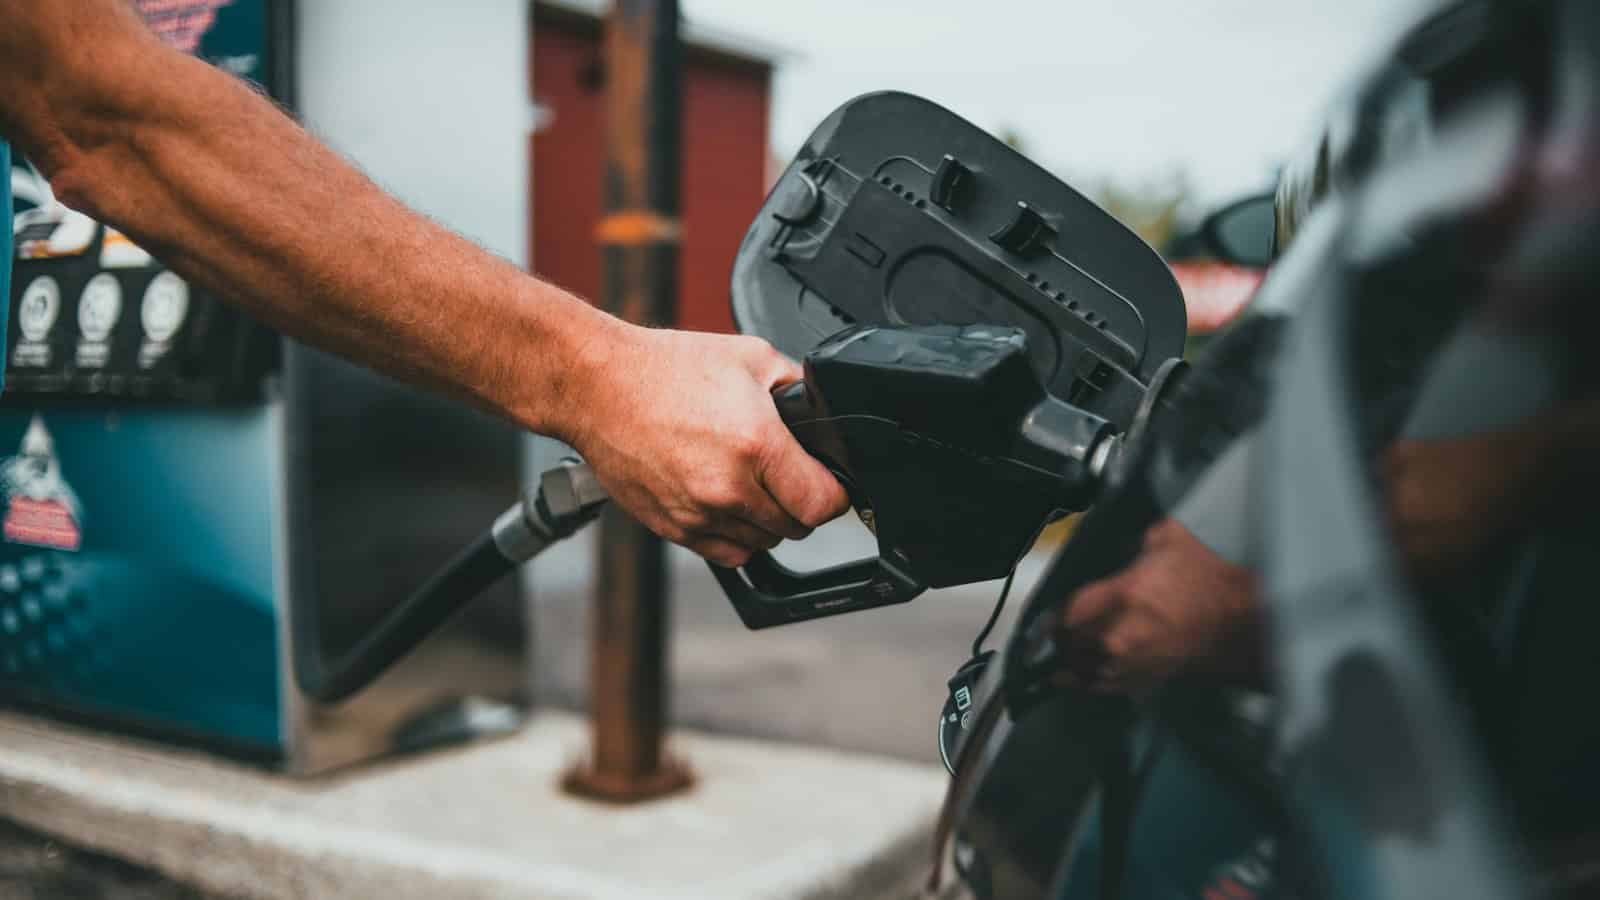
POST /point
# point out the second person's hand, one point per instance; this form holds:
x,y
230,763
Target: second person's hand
x,y
682,430
1178,607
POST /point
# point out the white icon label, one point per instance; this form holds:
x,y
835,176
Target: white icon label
x,y
99,307
162,312
41,305
37,312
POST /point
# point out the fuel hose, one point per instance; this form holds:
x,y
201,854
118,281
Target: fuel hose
x,y
565,499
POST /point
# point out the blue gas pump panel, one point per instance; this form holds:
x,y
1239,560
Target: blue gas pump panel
x,y
143,534
93,315
138,569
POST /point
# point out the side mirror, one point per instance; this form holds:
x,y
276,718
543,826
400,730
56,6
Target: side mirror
x,y
1243,233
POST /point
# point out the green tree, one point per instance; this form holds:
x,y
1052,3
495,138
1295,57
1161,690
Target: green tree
x,y
1153,209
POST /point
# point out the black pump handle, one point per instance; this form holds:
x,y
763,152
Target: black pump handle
x,y
766,593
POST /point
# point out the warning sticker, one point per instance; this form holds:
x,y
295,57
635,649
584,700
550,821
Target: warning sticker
x,y
181,23
41,509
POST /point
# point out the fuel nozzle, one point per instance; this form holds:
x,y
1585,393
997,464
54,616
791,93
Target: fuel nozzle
x,y
1105,456
566,498
1072,442
952,452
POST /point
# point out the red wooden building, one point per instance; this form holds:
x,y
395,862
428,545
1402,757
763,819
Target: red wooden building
x,y
726,94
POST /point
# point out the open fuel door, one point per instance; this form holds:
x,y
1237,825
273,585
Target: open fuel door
x,y
899,212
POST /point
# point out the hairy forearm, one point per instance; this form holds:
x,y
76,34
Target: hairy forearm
x,y
231,193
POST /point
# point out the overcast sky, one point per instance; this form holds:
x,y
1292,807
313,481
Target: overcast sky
x,y
1132,89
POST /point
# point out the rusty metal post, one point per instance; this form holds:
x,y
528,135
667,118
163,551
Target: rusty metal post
x,y
639,245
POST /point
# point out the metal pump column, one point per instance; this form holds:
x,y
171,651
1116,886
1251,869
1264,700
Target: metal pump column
x,y
639,245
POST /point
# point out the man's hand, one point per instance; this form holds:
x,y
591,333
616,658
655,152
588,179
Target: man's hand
x,y
1178,607
682,430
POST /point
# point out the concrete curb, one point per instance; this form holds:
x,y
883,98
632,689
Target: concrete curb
x,y
766,821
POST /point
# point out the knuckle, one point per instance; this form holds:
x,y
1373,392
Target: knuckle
x,y
693,520
724,495
807,511
754,447
1133,585
814,517
1116,646
756,348
751,446
686,531
750,350
820,503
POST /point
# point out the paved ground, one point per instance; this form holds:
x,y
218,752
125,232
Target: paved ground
x,y
36,868
871,681
487,822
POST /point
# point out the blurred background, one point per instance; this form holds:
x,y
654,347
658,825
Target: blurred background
x,y
489,117
1161,111
1146,95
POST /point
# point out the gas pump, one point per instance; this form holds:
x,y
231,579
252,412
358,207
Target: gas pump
x,y
192,507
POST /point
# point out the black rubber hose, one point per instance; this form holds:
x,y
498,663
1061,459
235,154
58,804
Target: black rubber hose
x,y
468,575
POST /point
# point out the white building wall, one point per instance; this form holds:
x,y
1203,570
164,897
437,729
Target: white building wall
x,y
431,100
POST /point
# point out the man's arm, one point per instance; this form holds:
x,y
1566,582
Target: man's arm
x,y
226,190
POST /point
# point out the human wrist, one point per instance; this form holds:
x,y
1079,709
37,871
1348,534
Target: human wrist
x,y
574,359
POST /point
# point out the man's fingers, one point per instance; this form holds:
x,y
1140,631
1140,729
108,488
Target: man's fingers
x,y
1093,602
1084,664
743,534
767,514
1089,617
720,551
804,492
730,541
802,486
774,370
1167,531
